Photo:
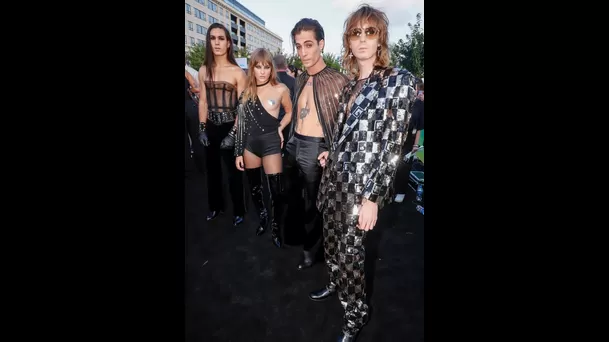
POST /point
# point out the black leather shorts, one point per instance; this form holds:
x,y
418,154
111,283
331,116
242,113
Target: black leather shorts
x,y
264,144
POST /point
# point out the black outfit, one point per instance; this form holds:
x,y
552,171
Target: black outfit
x,y
262,135
257,132
300,156
221,113
301,161
289,82
192,130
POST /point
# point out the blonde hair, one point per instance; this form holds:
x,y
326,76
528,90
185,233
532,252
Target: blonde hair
x,y
264,57
373,17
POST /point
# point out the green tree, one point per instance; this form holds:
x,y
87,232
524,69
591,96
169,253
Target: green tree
x,y
242,52
393,54
294,60
332,60
409,53
196,55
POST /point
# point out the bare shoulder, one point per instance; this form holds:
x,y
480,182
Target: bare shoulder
x,y
237,71
281,88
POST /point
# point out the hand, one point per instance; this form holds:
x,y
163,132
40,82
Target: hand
x,y
368,213
415,148
280,136
239,163
203,139
228,143
323,157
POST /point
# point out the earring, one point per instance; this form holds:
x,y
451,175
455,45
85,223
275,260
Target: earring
x,y
378,51
350,54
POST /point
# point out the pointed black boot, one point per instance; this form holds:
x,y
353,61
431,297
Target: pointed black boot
x,y
308,259
276,185
323,294
237,220
255,181
213,214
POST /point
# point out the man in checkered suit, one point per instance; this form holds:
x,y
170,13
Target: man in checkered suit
x,y
360,168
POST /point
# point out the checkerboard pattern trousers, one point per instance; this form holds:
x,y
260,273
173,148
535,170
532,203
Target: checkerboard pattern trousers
x,y
345,255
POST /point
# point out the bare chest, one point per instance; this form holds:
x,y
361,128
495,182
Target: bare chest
x,y
306,101
270,100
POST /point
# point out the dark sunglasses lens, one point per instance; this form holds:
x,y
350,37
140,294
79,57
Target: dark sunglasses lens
x,y
371,31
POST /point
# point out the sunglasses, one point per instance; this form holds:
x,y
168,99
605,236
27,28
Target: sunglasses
x,y
371,33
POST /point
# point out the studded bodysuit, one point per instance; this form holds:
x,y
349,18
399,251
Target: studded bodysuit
x,y
257,130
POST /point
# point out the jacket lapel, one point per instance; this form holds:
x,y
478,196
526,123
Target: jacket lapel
x,y
367,96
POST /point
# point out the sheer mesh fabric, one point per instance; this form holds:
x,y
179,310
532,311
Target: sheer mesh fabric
x,y
221,96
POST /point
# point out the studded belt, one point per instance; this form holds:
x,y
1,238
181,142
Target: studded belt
x,y
219,118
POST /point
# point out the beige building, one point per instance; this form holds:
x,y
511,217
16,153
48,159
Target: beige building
x,y
247,29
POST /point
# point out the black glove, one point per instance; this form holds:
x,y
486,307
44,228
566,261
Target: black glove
x,y
228,143
203,139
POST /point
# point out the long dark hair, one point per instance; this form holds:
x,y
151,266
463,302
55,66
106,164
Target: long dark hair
x,y
209,54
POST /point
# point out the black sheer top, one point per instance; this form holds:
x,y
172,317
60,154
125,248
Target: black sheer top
x,y
221,96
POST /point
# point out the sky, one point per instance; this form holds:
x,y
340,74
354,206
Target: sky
x,y
281,16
